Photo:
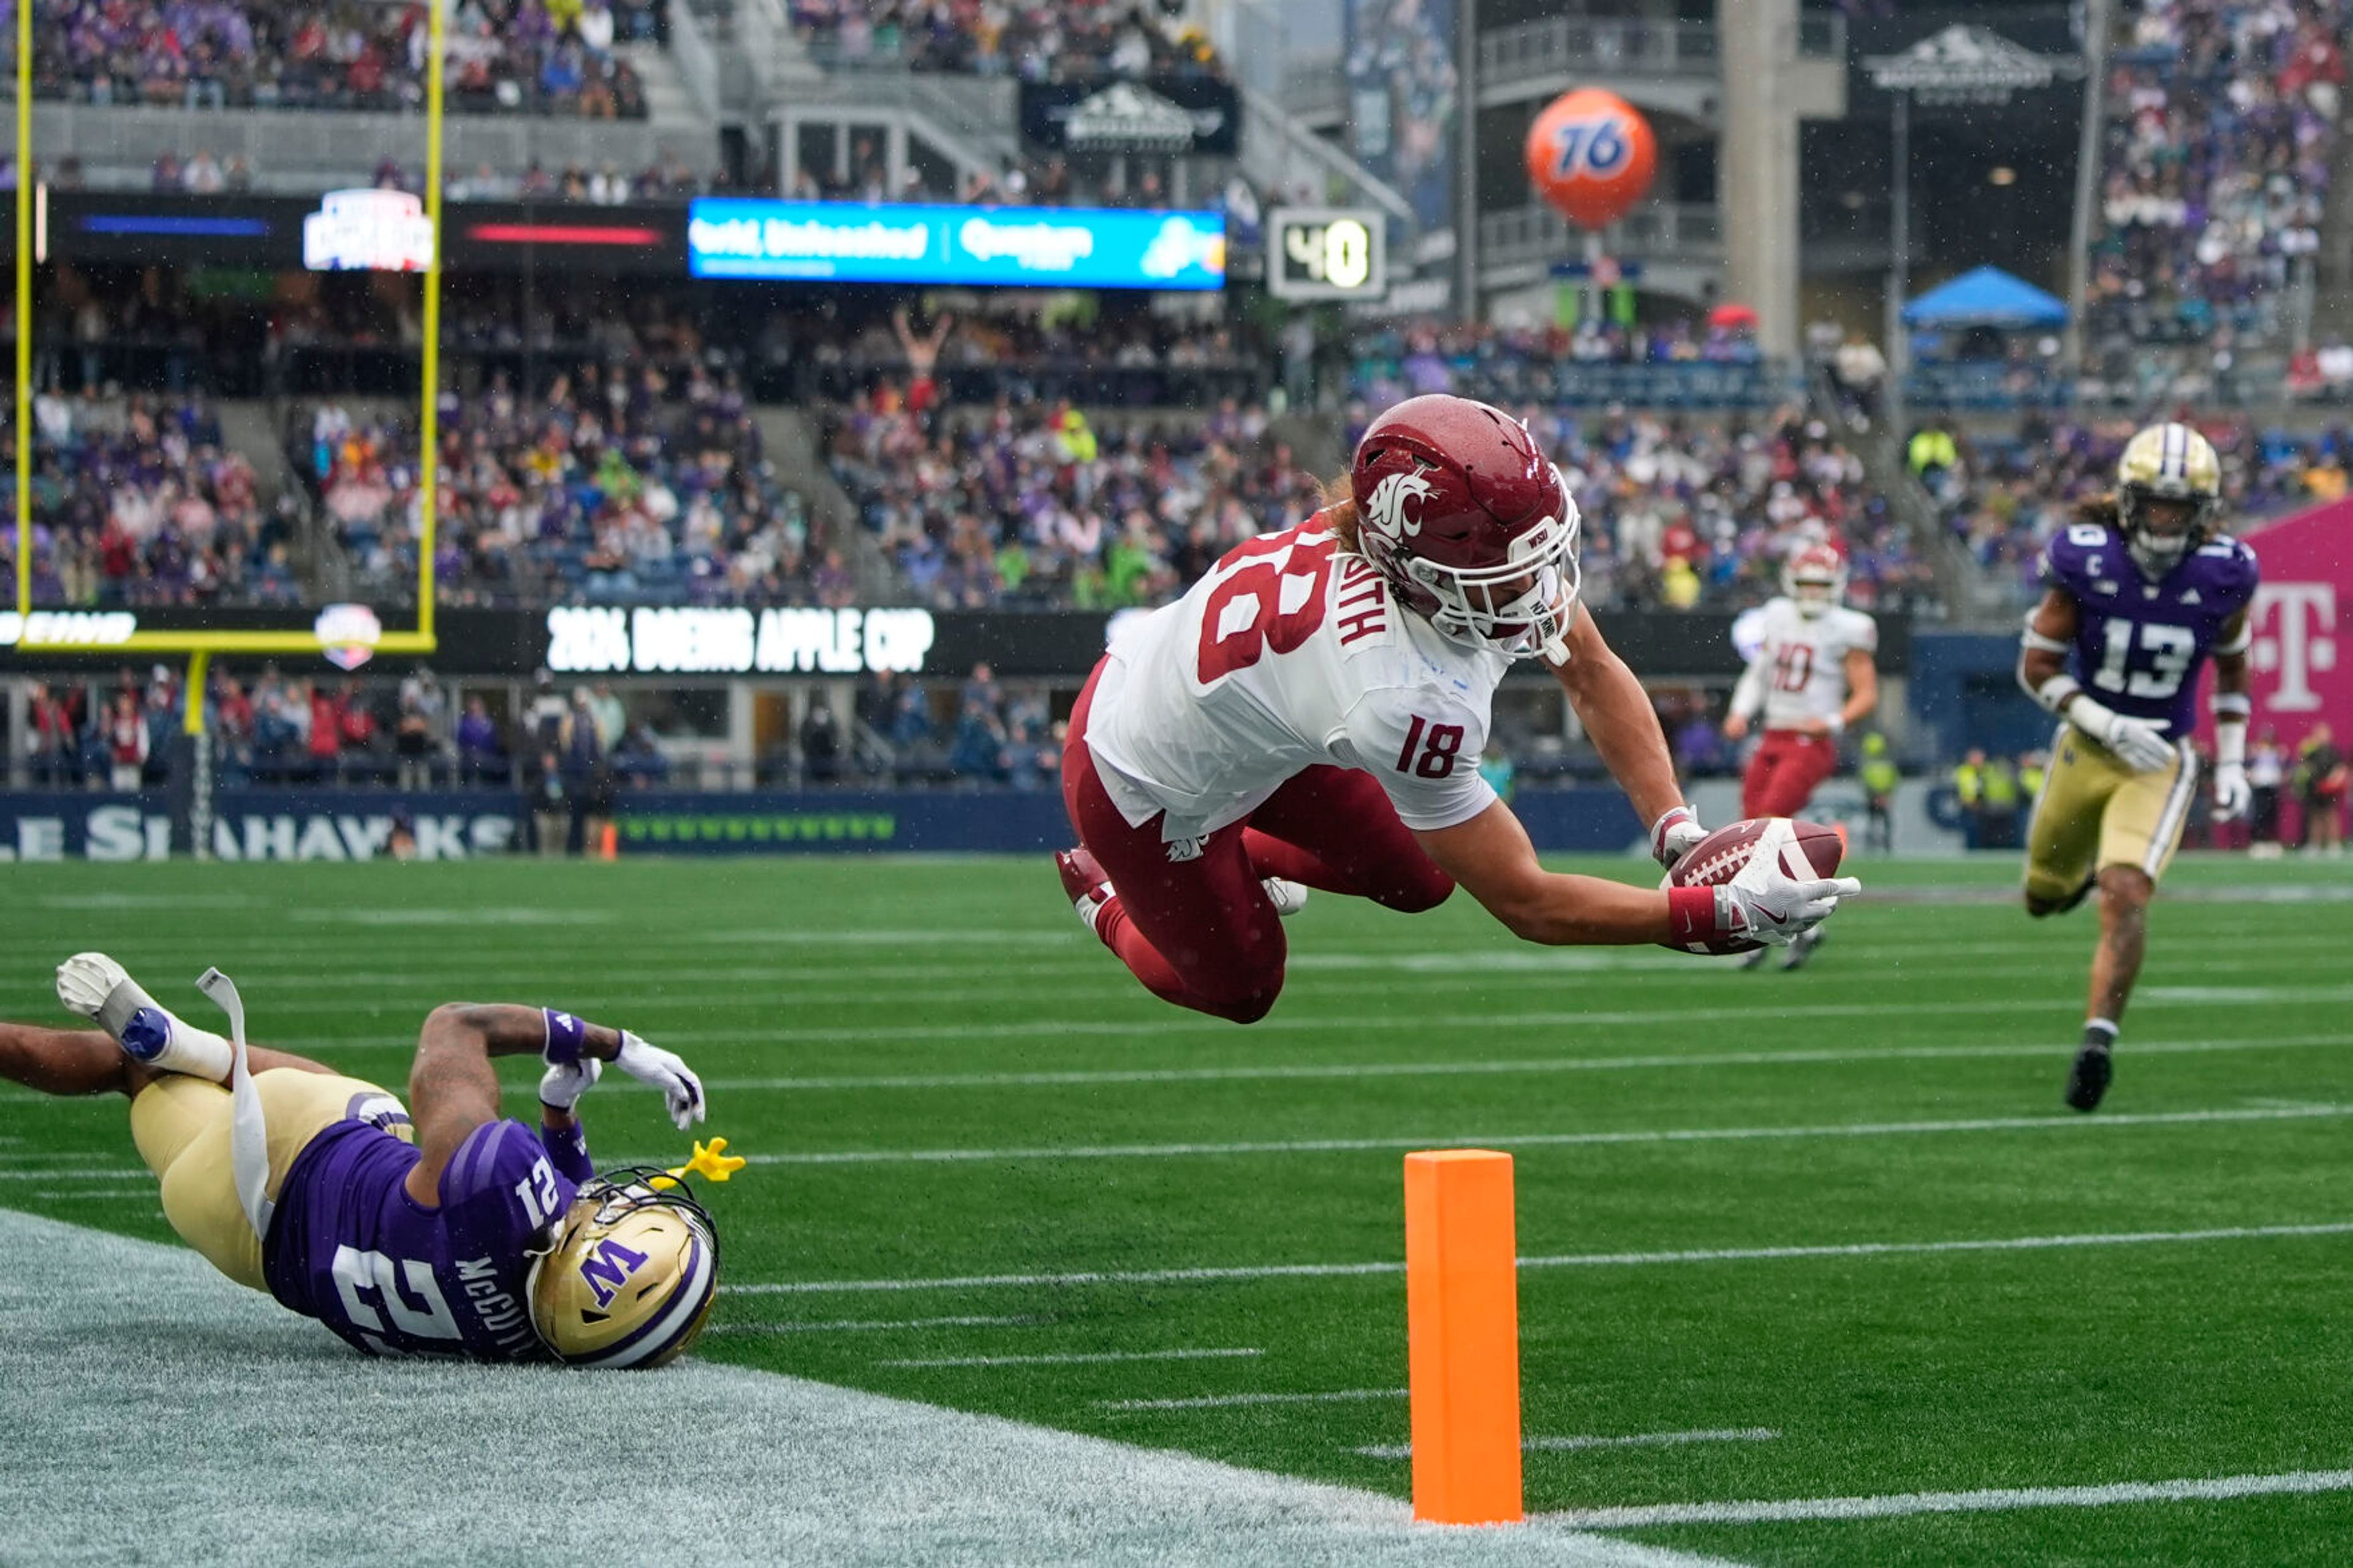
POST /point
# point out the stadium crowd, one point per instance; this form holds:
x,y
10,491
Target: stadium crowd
x,y
137,501
1035,42
2223,124
644,485
2005,491
550,56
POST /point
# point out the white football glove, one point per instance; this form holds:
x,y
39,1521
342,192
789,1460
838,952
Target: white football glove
x,y
2139,745
1766,904
1673,836
666,1072
562,1084
2232,795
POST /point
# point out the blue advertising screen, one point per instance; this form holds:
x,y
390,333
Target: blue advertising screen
x,y
849,242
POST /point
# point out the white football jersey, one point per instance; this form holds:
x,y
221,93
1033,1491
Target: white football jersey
x,y
1291,653
1805,660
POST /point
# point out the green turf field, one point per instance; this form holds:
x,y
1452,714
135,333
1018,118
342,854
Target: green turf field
x,y
990,1173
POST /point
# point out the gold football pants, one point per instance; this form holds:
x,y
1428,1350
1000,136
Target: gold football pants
x,y
181,1127
2095,813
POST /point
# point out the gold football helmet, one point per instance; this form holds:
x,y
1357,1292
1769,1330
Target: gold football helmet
x,y
2166,463
631,1277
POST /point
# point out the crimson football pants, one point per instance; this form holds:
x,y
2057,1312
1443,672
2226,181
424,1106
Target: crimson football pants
x,y
1200,931
1784,772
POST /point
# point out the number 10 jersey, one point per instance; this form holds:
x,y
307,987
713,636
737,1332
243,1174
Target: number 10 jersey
x,y
2138,644
1291,653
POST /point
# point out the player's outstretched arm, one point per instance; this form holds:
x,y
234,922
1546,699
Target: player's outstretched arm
x,y
1862,688
1616,713
1491,856
451,1089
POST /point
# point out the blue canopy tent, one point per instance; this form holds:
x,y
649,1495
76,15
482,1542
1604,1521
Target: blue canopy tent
x,y
1986,296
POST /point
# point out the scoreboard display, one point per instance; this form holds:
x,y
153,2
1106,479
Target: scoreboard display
x,y
1326,253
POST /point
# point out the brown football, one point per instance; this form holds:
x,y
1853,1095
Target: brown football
x,y
1814,850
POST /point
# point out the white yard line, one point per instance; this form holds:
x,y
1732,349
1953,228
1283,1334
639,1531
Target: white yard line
x,y
1075,1358
1563,1260
882,1325
101,1325
1999,1500
1490,1138
1236,1401
1250,1072
1126,1029
1575,1445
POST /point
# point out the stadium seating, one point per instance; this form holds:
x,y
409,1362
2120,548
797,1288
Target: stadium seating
x,y
2222,121
137,502
1033,41
506,56
612,487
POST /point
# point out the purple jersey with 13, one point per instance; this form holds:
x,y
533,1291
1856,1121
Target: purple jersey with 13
x,y
2138,644
350,1247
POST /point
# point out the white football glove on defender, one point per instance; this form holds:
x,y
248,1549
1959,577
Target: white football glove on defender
x,y
2232,795
1673,836
666,1072
1766,904
562,1084
2139,745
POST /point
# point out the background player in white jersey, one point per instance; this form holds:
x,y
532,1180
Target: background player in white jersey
x,y
1811,675
1312,713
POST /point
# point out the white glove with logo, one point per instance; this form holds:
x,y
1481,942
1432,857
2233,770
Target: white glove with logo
x,y
561,1086
1673,836
666,1072
1766,904
2139,745
2232,795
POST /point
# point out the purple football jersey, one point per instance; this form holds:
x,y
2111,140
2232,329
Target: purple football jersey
x,y
2139,645
350,1247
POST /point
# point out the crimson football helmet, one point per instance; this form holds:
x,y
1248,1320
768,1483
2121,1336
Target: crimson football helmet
x,y
1815,579
1471,523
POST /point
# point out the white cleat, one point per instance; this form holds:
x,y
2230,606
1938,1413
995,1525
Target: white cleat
x,y
1287,897
99,989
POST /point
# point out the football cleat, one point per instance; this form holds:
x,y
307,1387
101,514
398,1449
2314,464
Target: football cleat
x,y
1083,883
632,1274
1754,958
1287,897
96,987
2087,1080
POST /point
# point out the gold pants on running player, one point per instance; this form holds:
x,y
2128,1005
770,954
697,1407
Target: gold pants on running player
x,y
181,1127
2095,813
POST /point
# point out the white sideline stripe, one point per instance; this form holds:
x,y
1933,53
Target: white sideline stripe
x,y
1563,1260
1574,1444
1075,1358
1231,1401
2000,1500
1552,1140
1361,1022
71,1194
68,1172
1467,1068
856,1325
835,1476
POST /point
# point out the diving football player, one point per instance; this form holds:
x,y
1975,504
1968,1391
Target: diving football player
x,y
1313,710
436,1229
2141,591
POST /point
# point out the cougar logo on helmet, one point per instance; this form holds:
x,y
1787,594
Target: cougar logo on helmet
x,y
1387,511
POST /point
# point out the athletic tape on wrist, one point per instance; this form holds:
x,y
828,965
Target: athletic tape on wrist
x,y
2233,705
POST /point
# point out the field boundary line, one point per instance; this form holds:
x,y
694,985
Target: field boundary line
x,y
1996,1499
1579,1444
1235,1401
1562,1260
1079,1358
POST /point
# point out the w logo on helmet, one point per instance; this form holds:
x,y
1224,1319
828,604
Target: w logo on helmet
x,y
606,1269
1387,511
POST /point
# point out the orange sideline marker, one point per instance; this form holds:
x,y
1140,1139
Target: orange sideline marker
x,y
1462,1336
